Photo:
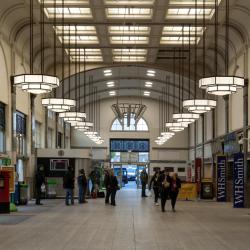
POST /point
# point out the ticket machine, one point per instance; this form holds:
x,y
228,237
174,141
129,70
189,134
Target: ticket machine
x,y
4,192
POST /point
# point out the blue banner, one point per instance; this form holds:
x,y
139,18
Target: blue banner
x,y
126,145
238,180
221,178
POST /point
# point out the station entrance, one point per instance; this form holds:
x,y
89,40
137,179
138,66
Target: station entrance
x,y
128,158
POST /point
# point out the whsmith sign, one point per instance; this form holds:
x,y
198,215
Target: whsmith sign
x,y
238,180
221,178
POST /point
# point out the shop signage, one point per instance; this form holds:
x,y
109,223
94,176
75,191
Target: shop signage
x,y
198,173
238,178
221,178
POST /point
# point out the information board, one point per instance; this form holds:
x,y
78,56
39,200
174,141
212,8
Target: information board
x,y
126,145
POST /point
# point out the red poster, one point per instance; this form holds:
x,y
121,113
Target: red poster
x,y
198,173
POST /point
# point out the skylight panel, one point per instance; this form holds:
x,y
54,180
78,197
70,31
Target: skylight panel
x,y
130,52
65,2
192,2
89,30
189,13
87,58
179,30
129,40
178,40
129,2
81,52
129,13
129,58
129,30
79,39
69,12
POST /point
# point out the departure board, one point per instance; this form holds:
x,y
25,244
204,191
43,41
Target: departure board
x,y
126,145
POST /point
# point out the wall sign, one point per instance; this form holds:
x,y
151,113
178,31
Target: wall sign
x,y
221,178
126,145
238,180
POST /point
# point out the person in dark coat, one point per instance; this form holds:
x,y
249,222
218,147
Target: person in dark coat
x,y
107,186
113,183
39,181
144,182
175,185
68,185
155,182
82,185
164,180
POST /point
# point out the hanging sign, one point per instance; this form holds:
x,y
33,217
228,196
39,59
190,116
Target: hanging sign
x,y
238,178
198,173
221,178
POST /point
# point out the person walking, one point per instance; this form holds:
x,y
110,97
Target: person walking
x,y
39,181
155,182
175,185
165,186
107,185
68,185
113,183
144,182
82,185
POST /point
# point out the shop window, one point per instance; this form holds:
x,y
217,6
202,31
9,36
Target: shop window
x,y
20,128
2,127
181,170
50,138
38,135
59,140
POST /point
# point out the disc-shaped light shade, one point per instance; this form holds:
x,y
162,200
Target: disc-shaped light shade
x,y
58,104
199,106
72,116
221,85
185,117
36,83
167,134
82,124
176,126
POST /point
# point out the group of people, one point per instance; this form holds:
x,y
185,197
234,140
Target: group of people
x,y
165,186
69,185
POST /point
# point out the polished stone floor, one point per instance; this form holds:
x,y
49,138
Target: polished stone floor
x,y
134,223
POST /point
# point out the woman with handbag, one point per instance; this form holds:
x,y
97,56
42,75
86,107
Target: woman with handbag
x,y
156,186
165,188
113,187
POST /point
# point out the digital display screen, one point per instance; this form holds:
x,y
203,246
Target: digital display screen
x,y
126,145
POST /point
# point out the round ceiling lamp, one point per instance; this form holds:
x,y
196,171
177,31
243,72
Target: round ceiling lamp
x,y
58,104
185,117
71,117
167,134
36,83
82,124
176,126
221,85
199,106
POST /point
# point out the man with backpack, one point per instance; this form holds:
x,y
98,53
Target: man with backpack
x,y
68,185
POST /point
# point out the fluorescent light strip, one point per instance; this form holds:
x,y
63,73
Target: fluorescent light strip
x,y
146,93
150,72
148,84
110,84
107,72
112,93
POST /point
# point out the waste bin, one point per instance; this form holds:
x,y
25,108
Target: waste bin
x,y
207,189
23,194
51,189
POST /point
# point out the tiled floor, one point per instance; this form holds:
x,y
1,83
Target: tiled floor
x,y
133,224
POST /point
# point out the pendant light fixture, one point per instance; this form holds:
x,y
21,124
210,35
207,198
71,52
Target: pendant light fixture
x,y
73,116
174,126
204,105
181,117
59,105
36,83
221,85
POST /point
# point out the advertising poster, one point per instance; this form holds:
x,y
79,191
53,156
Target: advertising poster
x,y
221,178
238,178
